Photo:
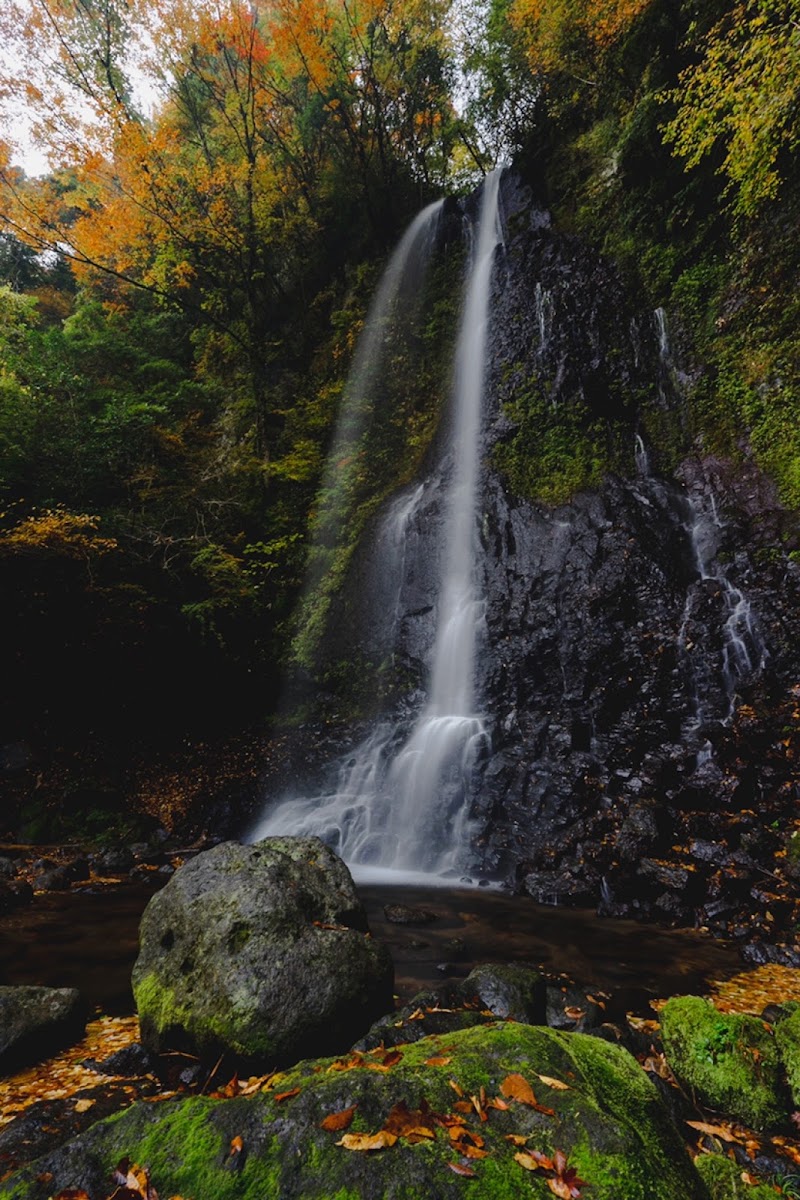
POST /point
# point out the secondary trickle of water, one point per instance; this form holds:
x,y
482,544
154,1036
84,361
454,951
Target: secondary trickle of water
x,y
402,800
396,300
743,648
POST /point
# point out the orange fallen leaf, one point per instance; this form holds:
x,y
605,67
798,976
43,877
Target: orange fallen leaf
x,y
497,1103
516,1139
437,1062
391,1059
560,1188
459,1170
335,1122
368,1141
714,1130
463,1106
82,1106
516,1087
472,1151
72,1194
237,1145
458,1090
281,1096
574,1014
415,1125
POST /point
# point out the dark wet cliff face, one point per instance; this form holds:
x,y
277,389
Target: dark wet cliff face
x,y
639,670
641,653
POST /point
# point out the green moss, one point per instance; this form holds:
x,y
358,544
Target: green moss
x,y
723,1178
787,1037
609,1122
729,1060
160,1009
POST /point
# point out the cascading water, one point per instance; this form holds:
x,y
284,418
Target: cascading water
x,y
396,300
401,801
743,648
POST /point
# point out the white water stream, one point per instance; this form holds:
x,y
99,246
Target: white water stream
x,y
401,801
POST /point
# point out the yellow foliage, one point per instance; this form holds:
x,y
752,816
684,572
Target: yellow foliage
x,y
552,29
56,531
742,95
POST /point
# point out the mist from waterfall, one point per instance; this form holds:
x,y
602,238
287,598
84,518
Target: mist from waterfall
x,y
401,800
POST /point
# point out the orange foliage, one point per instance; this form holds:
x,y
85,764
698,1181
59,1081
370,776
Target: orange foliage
x,y
552,29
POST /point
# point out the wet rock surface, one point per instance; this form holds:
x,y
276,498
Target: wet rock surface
x,y
261,953
35,1021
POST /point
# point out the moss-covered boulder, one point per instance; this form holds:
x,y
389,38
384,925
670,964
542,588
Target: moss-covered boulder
x,y
468,1111
787,1037
259,952
729,1061
723,1178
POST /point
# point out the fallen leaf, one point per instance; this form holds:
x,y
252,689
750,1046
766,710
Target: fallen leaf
x,y
574,1014
472,1151
458,1090
392,1058
237,1145
558,1084
497,1103
459,1170
516,1139
337,1121
714,1130
281,1096
437,1062
368,1141
528,1161
72,1194
560,1188
82,1106
516,1087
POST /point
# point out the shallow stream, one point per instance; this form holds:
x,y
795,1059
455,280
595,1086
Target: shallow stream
x,y
88,940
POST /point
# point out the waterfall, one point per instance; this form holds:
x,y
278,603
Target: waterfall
x,y
396,301
401,799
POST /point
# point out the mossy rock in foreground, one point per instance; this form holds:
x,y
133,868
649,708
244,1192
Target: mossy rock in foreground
x,y
728,1060
610,1123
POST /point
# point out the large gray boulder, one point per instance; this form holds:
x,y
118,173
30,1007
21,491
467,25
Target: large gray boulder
x,y
36,1021
260,952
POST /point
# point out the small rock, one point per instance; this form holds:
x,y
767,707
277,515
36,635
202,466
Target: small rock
x,y
401,914
35,1021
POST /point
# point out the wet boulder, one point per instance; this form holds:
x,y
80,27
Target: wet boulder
x,y
728,1060
337,1128
37,1021
261,953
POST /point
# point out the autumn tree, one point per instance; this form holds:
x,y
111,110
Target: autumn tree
x,y
569,36
270,121
738,100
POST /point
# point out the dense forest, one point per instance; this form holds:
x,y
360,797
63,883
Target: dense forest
x,y
182,292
